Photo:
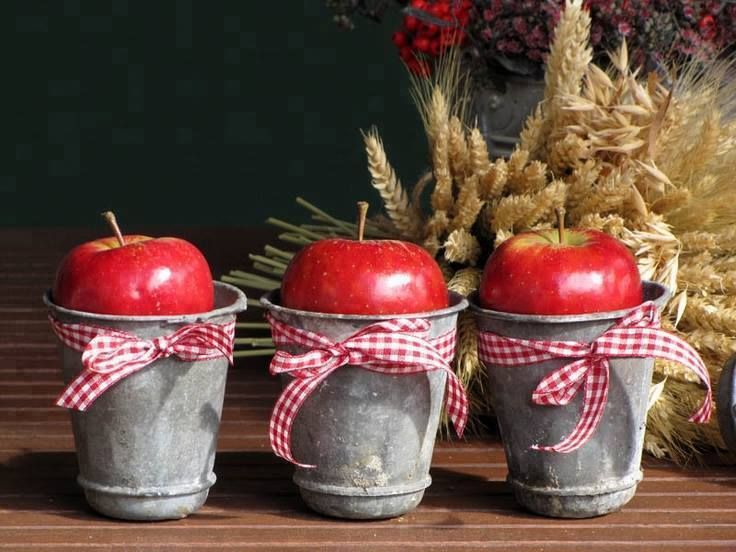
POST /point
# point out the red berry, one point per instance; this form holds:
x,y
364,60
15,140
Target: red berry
x,y
418,67
399,39
440,9
430,29
411,23
406,54
423,44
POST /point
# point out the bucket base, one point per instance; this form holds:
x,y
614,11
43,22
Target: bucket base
x,y
570,504
361,507
146,503
145,508
358,503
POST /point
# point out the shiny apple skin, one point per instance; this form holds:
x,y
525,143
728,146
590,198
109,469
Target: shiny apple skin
x,y
146,276
344,276
532,273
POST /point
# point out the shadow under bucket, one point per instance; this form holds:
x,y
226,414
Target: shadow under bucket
x,y
602,475
370,435
146,447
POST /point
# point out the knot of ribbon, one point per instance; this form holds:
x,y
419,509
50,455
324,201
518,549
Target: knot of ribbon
x,y
111,355
397,347
638,334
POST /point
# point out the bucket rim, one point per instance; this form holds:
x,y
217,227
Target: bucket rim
x,y
238,305
271,299
652,291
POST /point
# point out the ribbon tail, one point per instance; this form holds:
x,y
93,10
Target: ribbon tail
x,y
87,387
101,370
594,403
457,403
285,411
704,412
679,351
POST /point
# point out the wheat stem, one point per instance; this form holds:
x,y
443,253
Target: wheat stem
x,y
267,261
254,341
268,269
250,283
324,215
253,353
273,251
294,228
296,238
252,326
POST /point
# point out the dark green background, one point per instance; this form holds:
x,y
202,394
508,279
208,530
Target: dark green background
x,y
193,112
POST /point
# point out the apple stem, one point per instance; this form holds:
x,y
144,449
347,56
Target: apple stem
x,y
362,212
109,216
560,223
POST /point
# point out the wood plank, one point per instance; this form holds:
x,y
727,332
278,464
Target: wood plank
x,y
377,532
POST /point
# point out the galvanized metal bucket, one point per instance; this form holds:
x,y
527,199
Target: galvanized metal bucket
x,y
370,435
726,403
599,477
146,447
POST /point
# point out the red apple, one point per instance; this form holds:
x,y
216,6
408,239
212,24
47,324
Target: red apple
x,y
537,273
363,277
145,276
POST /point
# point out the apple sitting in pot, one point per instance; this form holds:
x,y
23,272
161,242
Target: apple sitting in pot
x,y
560,271
344,276
134,275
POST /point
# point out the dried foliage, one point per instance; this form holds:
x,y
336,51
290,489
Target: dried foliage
x,y
646,158
642,157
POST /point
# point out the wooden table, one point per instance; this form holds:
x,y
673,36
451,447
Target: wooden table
x,y
254,504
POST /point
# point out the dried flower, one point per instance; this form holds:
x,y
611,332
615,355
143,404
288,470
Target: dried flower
x,y
515,35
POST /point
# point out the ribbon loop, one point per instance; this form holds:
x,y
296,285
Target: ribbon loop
x,y
164,346
111,355
636,335
399,346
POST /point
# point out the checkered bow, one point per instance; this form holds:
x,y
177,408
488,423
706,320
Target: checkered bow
x,y
397,346
111,355
636,335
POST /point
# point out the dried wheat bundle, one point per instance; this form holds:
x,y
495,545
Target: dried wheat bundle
x,y
645,158
650,164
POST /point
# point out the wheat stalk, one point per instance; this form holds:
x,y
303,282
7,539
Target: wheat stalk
x,y
465,281
442,196
468,205
567,62
478,151
443,95
395,199
493,182
461,247
458,148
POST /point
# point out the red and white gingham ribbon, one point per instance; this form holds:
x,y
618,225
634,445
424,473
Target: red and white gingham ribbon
x,y
636,335
111,355
397,346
